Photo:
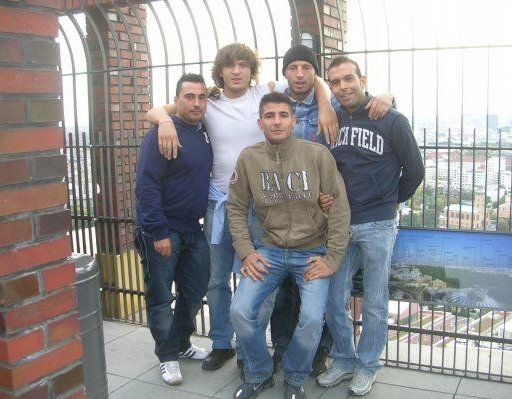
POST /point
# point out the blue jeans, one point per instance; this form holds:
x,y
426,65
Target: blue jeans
x,y
189,268
246,318
370,247
284,318
219,293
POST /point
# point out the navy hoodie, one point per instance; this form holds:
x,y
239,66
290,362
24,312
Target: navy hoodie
x,y
173,194
380,162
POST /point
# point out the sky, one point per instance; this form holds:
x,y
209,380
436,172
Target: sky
x,y
437,57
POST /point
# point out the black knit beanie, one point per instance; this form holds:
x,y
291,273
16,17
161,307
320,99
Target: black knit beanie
x,y
299,53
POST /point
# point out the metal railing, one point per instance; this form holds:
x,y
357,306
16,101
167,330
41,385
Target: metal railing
x,y
463,167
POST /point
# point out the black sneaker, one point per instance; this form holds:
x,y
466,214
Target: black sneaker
x,y
217,358
294,392
249,390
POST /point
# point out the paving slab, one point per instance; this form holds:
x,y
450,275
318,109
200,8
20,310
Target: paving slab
x,y
484,389
133,372
113,330
116,382
131,354
385,391
418,379
313,391
139,389
195,379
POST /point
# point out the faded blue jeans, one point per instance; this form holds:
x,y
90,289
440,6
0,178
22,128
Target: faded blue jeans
x,y
245,315
189,267
370,248
219,293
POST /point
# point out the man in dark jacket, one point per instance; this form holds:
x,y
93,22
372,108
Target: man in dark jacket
x,y
382,167
171,198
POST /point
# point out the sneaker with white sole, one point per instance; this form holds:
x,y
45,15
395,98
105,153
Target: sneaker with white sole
x,y
361,384
194,352
171,373
294,391
250,390
333,376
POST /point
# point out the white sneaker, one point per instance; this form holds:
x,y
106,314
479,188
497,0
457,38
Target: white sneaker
x,y
333,376
194,352
171,373
361,384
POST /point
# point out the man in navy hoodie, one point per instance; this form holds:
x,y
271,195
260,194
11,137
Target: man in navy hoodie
x,y
171,198
382,167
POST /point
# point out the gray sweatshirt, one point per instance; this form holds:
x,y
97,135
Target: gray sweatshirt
x,y
284,181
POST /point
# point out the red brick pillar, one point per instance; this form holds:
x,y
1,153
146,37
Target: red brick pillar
x,y
40,352
121,100
326,20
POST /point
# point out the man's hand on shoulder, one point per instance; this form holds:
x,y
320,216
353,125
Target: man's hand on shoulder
x,y
318,269
163,247
168,141
213,93
379,106
254,266
327,122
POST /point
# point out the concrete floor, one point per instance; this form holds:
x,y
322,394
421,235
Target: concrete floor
x,y
133,372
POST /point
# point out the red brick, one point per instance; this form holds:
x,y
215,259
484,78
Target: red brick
x,y
29,81
12,111
48,307
16,290
69,380
15,20
15,231
78,395
35,255
16,171
53,223
32,198
41,52
46,3
28,140
64,329
10,50
59,276
14,349
52,166
38,392
26,373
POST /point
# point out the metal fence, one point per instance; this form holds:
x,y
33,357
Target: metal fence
x,y
468,182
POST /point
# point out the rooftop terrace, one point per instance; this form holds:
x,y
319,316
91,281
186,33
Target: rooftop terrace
x,y
133,373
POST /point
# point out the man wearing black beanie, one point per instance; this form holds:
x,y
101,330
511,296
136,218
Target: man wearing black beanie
x,y
300,53
300,68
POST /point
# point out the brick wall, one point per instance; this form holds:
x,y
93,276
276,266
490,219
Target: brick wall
x,y
333,24
121,100
40,351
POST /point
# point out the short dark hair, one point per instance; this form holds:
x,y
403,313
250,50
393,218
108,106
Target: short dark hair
x,y
275,98
188,77
341,59
227,55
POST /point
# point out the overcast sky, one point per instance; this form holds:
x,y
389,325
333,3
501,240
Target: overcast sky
x,y
448,81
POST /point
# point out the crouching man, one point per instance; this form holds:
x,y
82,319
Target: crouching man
x,y
283,177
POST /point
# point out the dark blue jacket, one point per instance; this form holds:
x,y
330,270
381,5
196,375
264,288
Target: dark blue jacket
x,y
380,162
173,194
